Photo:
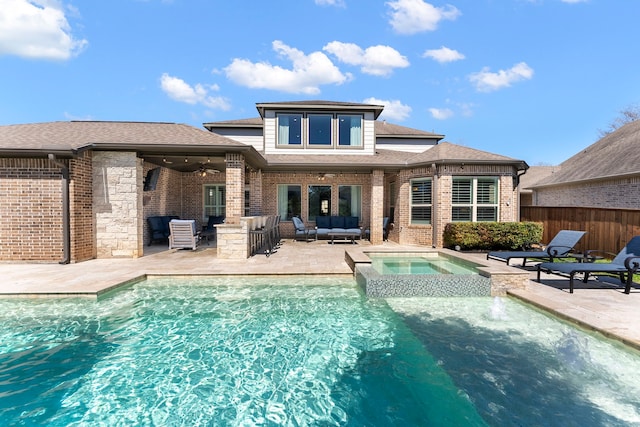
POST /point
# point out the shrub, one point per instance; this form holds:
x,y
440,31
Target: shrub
x,y
492,235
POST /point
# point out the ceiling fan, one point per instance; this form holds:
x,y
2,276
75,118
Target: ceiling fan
x,y
203,171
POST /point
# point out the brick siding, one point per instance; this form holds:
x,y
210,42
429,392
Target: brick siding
x,y
615,193
31,210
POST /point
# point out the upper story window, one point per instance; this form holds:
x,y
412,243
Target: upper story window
x,y
349,130
289,129
474,199
316,130
320,129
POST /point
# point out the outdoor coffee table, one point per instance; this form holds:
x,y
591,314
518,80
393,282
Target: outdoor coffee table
x,y
345,234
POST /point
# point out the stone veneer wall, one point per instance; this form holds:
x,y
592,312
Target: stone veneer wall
x,y
117,204
615,193
83,242
31,210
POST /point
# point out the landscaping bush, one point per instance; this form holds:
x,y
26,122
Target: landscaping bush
x,y
492,235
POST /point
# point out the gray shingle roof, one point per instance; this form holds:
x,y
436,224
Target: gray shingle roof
x,y
446,151
534,175
74,135
442,153
615,155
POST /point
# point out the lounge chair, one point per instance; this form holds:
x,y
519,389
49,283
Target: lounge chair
x,y
559,247
302,230
625,265
183,234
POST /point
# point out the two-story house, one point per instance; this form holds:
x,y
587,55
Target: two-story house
x,y
79,190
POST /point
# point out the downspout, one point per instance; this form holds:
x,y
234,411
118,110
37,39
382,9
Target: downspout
x,y
66,217
436,217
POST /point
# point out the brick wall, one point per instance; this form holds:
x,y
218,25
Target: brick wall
x,y
614,193
235,175
31,210
83,242
423,234
166,199
192,193
270,181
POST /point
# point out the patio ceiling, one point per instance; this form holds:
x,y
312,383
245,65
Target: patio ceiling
x,y
189,163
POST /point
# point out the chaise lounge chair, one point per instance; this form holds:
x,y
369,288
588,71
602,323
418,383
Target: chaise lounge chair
x,y
559,247
183,234
626,263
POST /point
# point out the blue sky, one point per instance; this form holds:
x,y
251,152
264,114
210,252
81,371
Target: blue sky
x,y
530,79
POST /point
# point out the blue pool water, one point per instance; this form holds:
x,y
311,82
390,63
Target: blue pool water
x,y
303,351
419,264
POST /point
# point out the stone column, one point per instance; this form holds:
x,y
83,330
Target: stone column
x,y
234,187
117,204
377,207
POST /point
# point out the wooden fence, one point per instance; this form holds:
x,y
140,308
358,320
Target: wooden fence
x,y
607,229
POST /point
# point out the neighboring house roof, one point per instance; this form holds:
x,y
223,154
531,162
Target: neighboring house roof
x,y
614,156
77,135
534,175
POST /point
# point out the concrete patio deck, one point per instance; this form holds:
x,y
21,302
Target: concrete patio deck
x,y
598,306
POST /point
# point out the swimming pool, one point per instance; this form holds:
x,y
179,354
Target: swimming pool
x,y
303,351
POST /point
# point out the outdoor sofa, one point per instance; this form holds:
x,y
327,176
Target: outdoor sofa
x,y
159,227
340,224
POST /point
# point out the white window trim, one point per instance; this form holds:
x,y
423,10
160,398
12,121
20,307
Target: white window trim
x,y
474,197
422,205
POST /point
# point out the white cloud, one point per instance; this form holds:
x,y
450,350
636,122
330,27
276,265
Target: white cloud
x,y
308,72
441,113
444,54
375,60
339,3
37,29
179,90
486,81
415,16
393,110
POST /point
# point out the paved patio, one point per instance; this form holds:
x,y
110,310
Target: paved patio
x,y
595,305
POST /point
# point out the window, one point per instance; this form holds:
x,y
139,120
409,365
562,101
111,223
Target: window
x,y
421,201
320,129
289,201
289,129
474,199
349,130
214,201
350,200
319,201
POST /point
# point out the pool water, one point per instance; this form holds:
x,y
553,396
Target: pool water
x,y
415,264
303,351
